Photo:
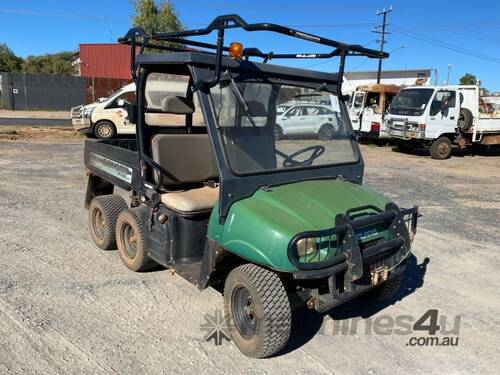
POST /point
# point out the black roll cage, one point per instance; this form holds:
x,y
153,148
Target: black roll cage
x,y
233,187
137,37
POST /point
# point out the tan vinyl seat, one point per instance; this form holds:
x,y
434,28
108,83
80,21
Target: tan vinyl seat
x,y
193,200
188,161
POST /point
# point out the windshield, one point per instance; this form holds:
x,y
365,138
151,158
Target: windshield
x,y
411,102
283,133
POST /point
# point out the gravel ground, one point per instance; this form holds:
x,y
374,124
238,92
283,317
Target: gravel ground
x,y
68,307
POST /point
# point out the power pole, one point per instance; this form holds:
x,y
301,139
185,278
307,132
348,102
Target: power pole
x,y
448,75
382,33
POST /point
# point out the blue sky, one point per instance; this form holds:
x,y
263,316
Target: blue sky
x,y
430,32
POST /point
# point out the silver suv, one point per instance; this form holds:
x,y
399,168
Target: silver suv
x,y
307,119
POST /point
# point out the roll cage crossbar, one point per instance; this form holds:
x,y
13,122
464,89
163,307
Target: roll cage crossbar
x,y
138,38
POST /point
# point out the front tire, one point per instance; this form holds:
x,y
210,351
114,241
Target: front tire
x,y
404,147
278,132
326,132
441,148
105,130
387,290
103,213
257,310
130,240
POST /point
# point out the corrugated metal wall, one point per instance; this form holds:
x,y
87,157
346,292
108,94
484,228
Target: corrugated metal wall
x,y
53,92
25,91
105,60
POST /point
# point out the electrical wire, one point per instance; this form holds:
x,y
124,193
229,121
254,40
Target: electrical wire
x,y
440,43
456,29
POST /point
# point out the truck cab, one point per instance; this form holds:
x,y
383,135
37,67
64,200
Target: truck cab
x,y
367,108
437,117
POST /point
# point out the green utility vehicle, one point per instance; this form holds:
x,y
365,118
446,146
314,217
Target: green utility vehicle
x,y
217,198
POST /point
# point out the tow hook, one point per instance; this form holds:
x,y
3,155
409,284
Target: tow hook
x,y
379,275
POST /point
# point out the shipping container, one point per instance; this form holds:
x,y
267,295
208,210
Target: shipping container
x,y
105,60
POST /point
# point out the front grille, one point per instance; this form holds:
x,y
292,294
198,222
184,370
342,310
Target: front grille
x,y
77,112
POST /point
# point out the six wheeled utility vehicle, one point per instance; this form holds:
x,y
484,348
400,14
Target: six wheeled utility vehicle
x,y
273,223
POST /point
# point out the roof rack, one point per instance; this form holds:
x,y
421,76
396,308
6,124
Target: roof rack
x,y
137,37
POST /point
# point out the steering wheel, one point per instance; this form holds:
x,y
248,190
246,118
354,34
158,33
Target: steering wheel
x,y
289,161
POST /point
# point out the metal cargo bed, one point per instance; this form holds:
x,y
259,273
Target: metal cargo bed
x,y
115,160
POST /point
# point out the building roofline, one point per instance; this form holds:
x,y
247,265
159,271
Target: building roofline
x,y
389,71
100,44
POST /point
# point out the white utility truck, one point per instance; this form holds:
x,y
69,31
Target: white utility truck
x,y
106,118
367,107
438,117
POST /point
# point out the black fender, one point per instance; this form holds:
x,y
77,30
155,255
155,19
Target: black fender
x,y
97,186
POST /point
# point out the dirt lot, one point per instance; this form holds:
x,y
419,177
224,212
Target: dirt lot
x,y
68,307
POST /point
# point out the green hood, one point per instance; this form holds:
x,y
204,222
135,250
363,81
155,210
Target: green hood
x,y
260,227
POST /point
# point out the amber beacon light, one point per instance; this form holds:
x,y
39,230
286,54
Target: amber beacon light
x,y
236,50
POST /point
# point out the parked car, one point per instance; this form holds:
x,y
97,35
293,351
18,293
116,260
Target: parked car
x,y
106,118
307,119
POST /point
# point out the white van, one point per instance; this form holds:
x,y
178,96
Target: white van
x,y
437,117
107,118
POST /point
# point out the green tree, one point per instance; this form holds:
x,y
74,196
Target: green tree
x,y
9,62
154,16
56,63
468,79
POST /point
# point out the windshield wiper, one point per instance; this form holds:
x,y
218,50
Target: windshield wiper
x,y
239,97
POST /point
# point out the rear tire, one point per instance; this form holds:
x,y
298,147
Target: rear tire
x,y
105,130
103,213
130,240
257,310
326,132
441,148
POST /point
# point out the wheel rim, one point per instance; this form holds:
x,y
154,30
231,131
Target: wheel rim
x,y
104,130
326,132
129,240
98,223
443,149
243,308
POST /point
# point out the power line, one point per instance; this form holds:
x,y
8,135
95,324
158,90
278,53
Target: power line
x,y
63,15
443,44
457,29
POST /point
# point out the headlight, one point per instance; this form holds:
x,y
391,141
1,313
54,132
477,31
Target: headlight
x,y
88,112
306,246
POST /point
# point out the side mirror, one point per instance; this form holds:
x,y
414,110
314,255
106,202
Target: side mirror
x,y
132,113
444,107
120,103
